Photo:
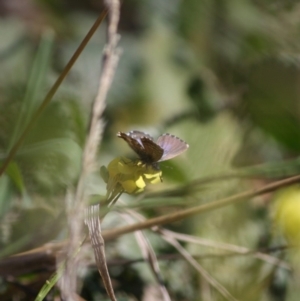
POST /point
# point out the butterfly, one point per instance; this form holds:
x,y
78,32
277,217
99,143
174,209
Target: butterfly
x,y
166,147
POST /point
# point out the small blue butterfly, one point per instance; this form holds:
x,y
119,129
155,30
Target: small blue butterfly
x,y
165,148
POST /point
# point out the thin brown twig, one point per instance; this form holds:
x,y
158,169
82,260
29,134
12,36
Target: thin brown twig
x,y
51,93
169,218
177,216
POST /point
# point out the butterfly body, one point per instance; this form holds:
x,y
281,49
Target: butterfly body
x,y
166,147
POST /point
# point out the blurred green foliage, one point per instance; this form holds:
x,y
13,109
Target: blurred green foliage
x,y
222,75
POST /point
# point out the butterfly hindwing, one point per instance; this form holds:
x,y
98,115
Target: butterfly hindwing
x,y
172,146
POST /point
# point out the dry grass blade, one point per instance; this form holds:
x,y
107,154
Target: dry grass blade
x,y
229,247
213,282
93,222
149,256
88,164
168,238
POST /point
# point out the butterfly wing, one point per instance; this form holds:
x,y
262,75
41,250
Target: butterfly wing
x,y
138,135
172,146
143,145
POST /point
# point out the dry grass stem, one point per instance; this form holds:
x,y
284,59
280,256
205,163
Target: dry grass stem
x,y
174,217
212,281
148,255
88,165
93,222
177,216
229,247
185,254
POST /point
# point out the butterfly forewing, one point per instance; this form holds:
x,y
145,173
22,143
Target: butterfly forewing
x,y
143,145
138,135
172,146
152,152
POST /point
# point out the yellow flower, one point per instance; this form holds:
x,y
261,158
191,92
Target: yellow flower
x,y
129,176
286,213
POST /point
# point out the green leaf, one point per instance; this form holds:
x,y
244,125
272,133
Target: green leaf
x,y
5,195
14,173
35,85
